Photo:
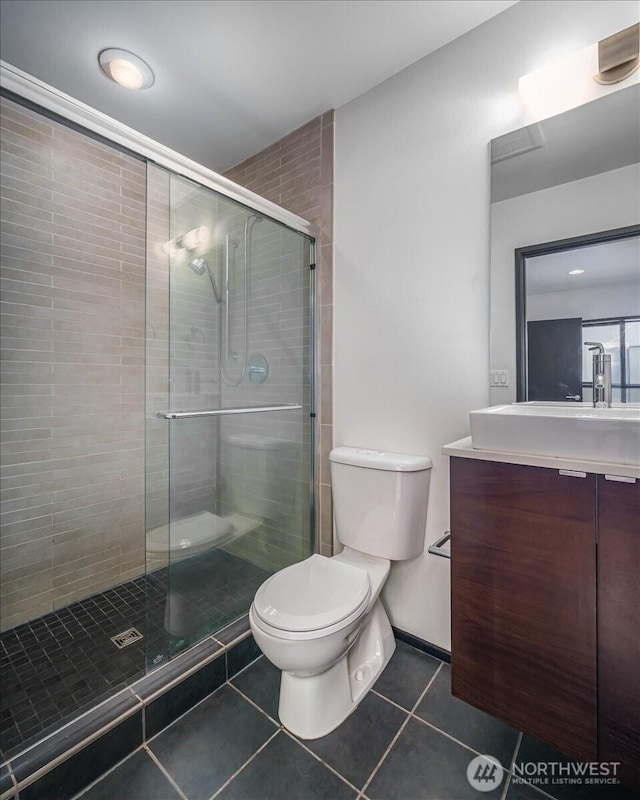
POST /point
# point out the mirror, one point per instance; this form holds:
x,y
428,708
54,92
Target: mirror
x,y
565,253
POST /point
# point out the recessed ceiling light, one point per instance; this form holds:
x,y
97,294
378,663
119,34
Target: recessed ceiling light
x,y
576,271
125,69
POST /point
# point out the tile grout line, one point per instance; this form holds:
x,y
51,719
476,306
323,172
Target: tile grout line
x,y
516,751
507,770
401,729
324,763
452,738
184,713
507,782
85,789
246,763
72,751
291,736
164,771
391,702
255,705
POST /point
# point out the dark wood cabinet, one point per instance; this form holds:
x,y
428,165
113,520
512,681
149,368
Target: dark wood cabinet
x,y
523,582
545,582
619,626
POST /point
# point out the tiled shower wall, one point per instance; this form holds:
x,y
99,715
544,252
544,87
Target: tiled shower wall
x,y
73,260
297,173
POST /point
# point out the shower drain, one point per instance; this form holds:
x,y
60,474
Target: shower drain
x,y
126,638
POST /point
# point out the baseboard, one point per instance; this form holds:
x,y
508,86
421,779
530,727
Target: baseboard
x,y
421,644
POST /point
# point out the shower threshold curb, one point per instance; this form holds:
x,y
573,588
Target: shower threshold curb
x,y
54,766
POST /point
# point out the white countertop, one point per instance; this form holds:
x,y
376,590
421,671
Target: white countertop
x,y
463,448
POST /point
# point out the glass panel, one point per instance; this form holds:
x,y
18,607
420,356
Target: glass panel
x,y
229,500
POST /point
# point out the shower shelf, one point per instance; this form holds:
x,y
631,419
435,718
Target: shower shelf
x,y
218,412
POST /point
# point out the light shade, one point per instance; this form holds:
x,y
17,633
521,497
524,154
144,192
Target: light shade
x,y
126,69
566,84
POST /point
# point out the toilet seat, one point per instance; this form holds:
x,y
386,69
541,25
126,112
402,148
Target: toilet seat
x,y
312,595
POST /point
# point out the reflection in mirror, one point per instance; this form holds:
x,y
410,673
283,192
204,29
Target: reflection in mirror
x,y
573,292
566,209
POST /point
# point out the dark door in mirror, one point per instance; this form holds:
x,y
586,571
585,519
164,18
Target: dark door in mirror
x,y
554,359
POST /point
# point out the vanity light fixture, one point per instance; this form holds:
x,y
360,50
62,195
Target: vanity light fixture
x,y
126,69
618,56
582,76
576,271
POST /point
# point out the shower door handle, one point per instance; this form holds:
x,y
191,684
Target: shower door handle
x,y
219,412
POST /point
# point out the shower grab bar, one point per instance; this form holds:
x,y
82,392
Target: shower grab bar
x,y
219,412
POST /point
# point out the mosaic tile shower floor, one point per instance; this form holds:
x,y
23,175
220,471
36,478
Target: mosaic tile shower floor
x,y
64,662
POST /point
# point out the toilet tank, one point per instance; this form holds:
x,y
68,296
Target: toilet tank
x,y
380,501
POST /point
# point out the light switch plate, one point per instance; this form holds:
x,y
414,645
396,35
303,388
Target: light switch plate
x,y
500,378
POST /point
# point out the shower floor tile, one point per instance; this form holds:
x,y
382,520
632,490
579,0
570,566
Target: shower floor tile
x,y
60,665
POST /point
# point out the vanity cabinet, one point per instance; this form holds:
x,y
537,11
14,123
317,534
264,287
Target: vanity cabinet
x,y
523,583
619,626
545,582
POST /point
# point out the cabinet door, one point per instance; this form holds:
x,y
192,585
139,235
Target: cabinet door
x,y
523,575
619,626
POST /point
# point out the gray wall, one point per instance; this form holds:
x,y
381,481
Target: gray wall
x,y
73,260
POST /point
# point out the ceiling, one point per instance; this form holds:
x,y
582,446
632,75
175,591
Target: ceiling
x,y
232,76
616,262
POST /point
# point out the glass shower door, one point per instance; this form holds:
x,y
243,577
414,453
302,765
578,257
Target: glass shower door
x,y
237,436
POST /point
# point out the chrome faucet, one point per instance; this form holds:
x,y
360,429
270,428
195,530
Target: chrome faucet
x,y
601,376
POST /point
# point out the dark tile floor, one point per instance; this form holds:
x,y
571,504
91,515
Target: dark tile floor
x,y
59,665
408,740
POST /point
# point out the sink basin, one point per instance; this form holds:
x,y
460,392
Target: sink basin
x,y
575,431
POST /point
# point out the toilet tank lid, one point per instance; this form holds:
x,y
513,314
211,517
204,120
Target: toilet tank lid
x,y
379,459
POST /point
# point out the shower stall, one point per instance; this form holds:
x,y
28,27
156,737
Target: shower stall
x,y
157,416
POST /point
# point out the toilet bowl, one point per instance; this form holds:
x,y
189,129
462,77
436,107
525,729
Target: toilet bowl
x,y
321,621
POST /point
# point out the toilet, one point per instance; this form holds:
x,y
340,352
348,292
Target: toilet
x,y
321,621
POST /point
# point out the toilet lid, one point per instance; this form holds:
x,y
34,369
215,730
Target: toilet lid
x,y
312,594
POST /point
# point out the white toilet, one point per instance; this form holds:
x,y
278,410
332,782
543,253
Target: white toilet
x,y
321,620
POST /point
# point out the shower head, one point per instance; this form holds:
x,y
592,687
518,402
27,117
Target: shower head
x,y
200,266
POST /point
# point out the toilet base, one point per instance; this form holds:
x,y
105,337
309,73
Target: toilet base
x,y
313,706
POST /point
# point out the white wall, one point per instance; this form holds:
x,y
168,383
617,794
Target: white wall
x,y
599,203
412,254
